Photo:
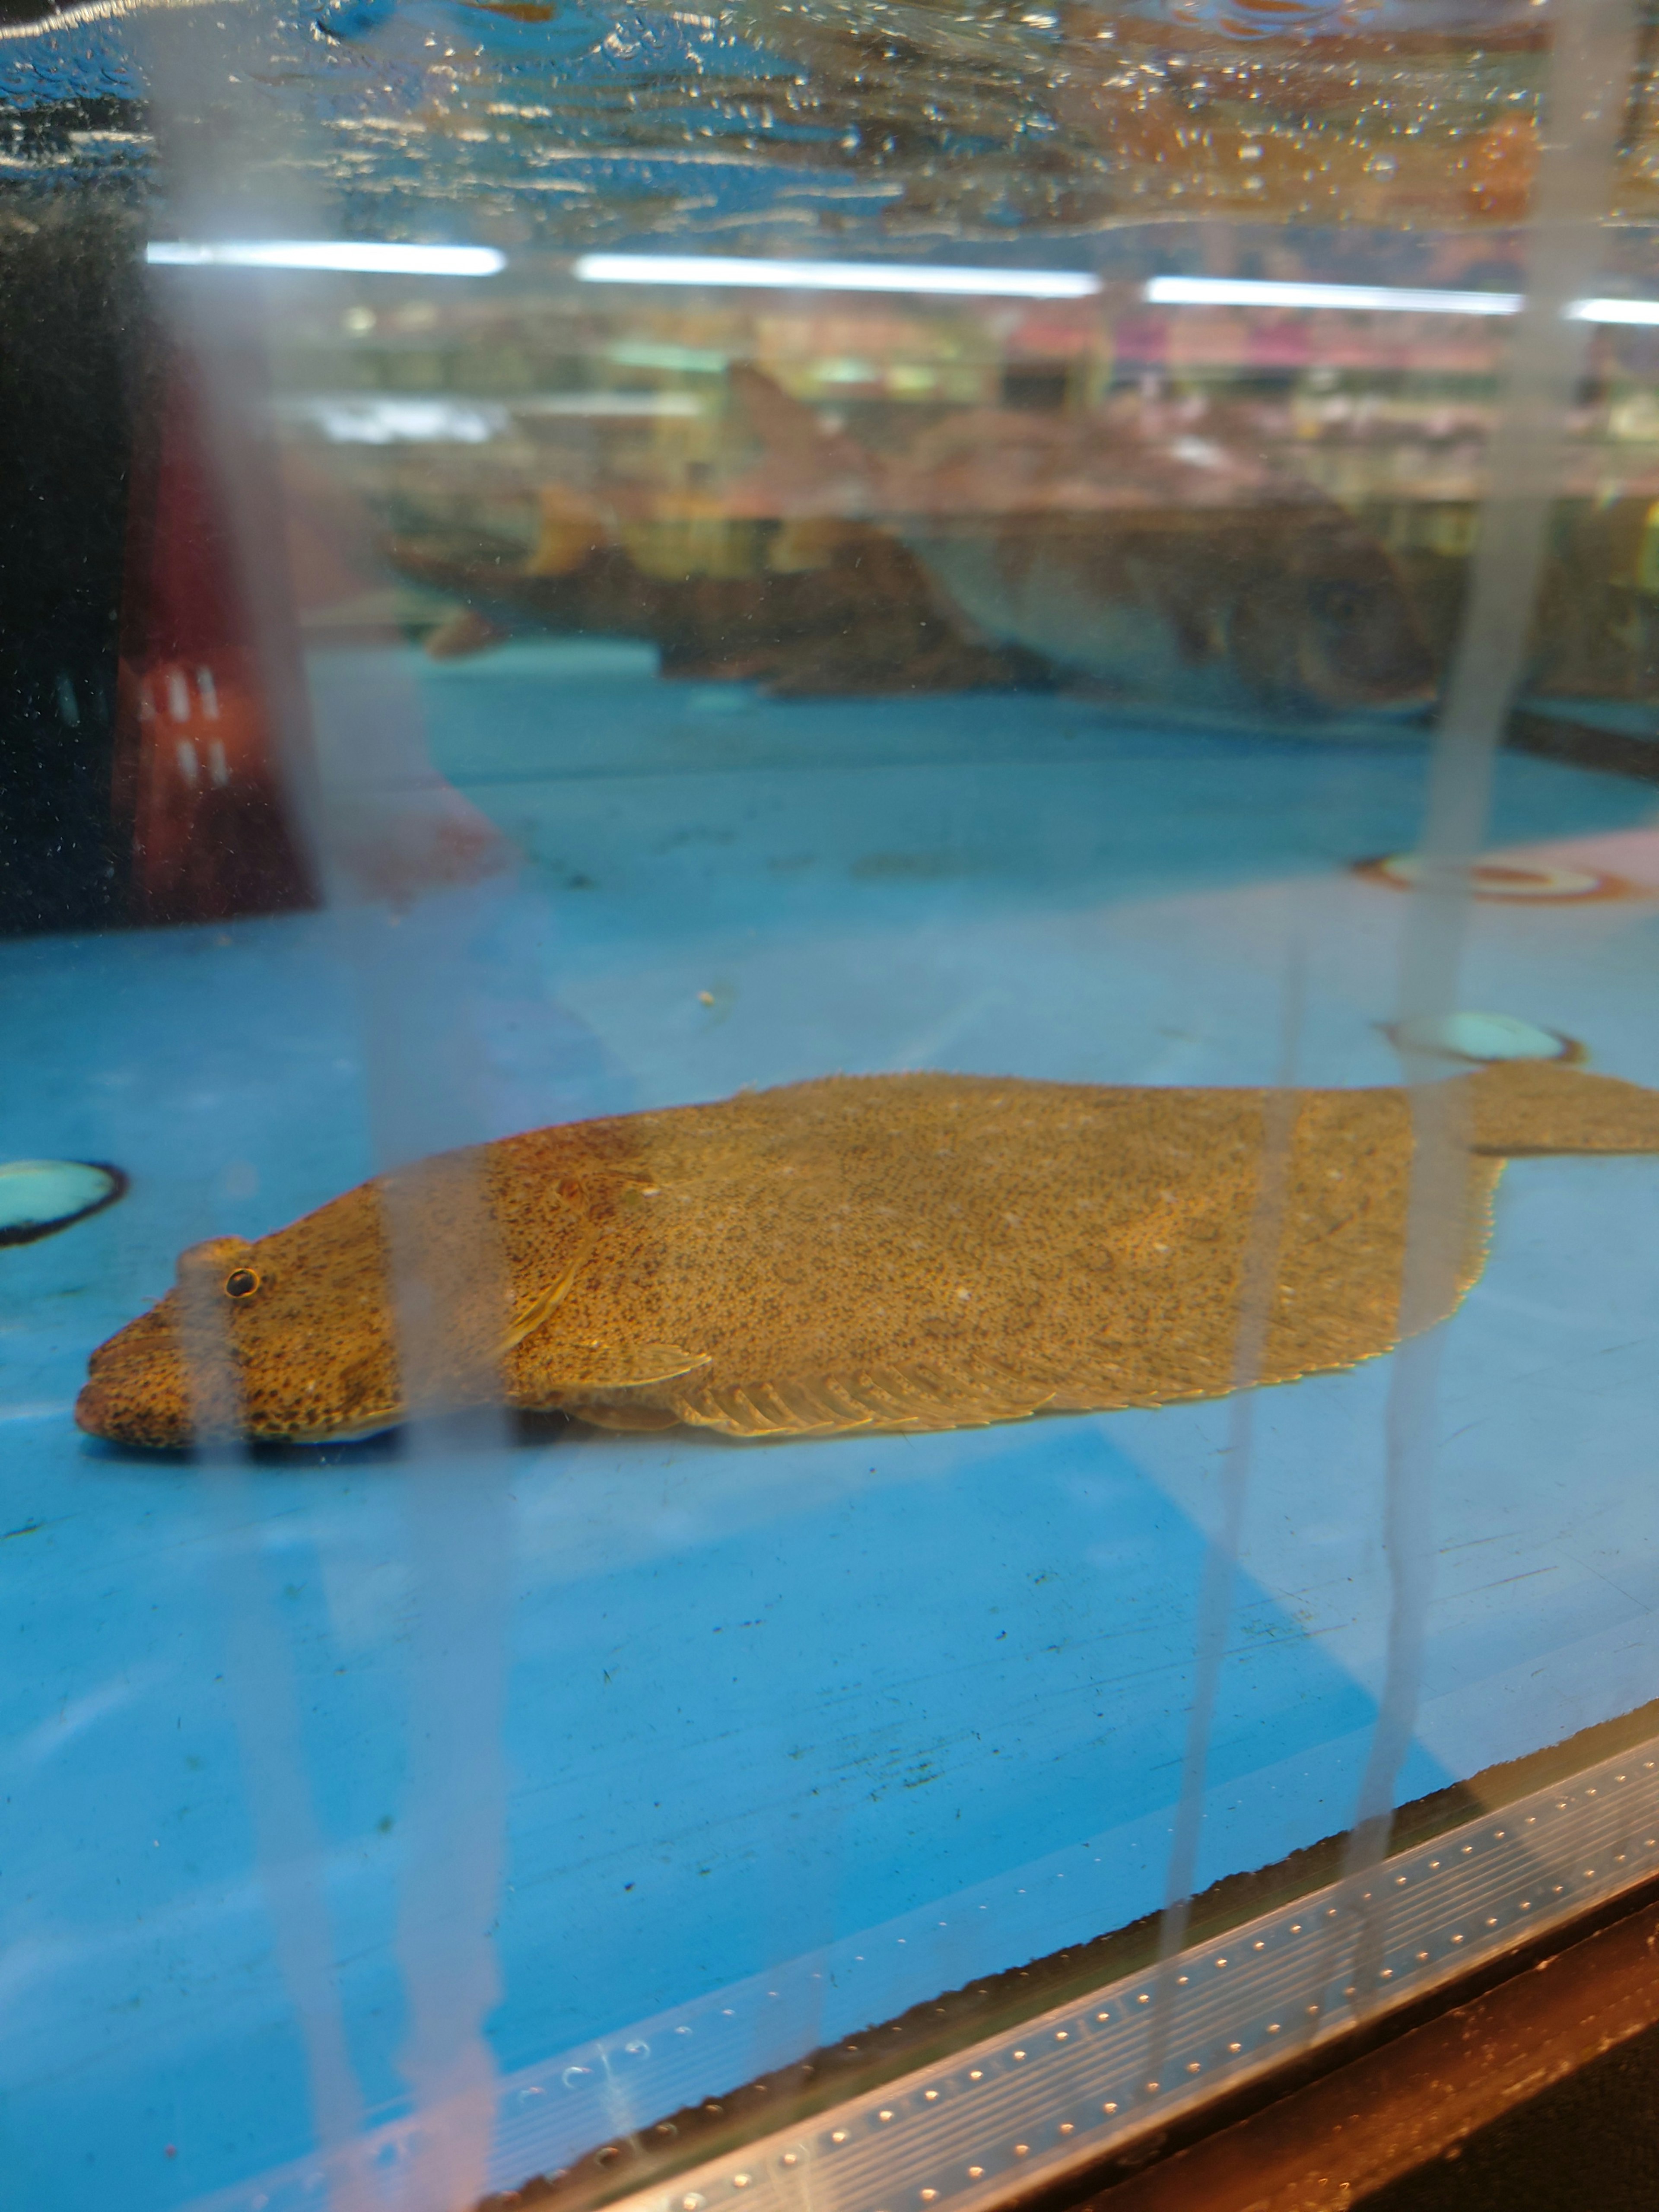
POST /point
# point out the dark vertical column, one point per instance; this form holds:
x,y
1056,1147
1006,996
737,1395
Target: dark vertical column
x,y
71,308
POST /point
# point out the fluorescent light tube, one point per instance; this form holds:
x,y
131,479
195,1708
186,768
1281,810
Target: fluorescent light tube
x,y
1373,299
375,420
835,276
395,419
1615,311
373,258
1381,299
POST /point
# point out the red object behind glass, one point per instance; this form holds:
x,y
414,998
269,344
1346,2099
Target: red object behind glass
x,y
199,775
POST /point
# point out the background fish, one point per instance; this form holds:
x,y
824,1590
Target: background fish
x,y
1177,567
862,618
860,1253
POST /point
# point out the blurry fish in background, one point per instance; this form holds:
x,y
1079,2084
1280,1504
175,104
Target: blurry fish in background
x,y
1593,654
812,606
1169,566
1596,635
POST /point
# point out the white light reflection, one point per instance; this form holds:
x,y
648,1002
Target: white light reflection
x,y
373,419
401,421
1379,299
835,276
1615,311
351,256
1373,299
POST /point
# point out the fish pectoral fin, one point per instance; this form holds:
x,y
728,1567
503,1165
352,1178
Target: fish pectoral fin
x,y
532,1308
624,1366
630,1419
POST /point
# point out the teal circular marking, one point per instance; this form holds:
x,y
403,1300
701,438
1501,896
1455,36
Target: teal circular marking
x,y
1483,1037
38,1197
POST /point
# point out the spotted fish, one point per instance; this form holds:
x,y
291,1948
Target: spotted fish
x,y
863,1253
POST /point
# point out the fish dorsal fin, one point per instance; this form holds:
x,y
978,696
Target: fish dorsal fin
x,y
532,1307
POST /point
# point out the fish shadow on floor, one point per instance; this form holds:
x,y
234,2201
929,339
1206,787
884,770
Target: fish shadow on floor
x,y
388,1448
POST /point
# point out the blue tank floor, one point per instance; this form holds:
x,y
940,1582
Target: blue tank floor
x,y
908,1710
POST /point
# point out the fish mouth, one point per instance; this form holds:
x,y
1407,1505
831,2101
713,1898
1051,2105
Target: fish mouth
x,y
144,1411
156,1423
138,1392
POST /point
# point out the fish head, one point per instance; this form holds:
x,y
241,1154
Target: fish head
x,y
137,1385
290,1338
1326,625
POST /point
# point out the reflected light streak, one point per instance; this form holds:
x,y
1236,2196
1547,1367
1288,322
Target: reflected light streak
x,y
1373,299
1376,299
377,419
1615,311
835,276
363,258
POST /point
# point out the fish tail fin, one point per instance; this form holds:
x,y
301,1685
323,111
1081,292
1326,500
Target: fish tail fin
x,y
1531,1106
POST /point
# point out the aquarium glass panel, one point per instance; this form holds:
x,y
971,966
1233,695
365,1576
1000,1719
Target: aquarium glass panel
x,y
828,1127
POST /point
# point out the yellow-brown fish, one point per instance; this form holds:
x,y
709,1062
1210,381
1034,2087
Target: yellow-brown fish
x,y
890,1252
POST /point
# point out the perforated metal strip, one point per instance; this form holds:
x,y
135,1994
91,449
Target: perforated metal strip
x,y
1074,2081
1071,2083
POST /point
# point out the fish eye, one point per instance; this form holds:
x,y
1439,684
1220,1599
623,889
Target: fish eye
x,y
1340,603
242,1283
